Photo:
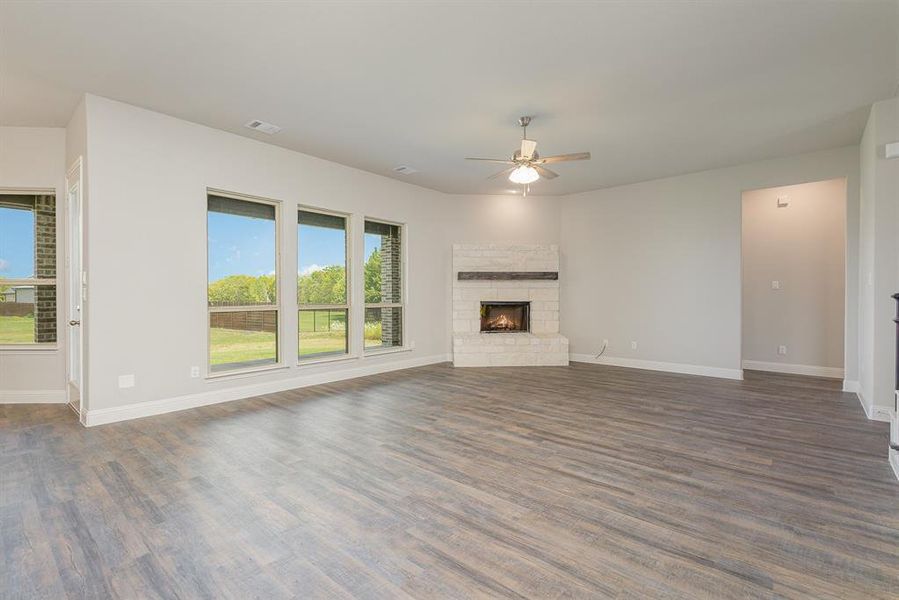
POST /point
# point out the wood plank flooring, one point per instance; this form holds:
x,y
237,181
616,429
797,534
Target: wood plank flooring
x,y
558,482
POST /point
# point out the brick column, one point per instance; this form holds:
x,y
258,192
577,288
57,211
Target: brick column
x,y
391,264
45,267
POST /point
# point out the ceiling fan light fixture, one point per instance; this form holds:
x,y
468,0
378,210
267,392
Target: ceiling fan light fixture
x,y
524,174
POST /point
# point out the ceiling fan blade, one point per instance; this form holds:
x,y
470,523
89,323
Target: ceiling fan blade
x,y
527,148
563,157
504,172
545,173
504,161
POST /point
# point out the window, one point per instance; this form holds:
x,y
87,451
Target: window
x,y
383,275
322,284
27,269
242,284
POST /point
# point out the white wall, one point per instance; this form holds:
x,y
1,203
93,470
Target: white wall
x,y
879,270
147,248
658,262
802,246
34,158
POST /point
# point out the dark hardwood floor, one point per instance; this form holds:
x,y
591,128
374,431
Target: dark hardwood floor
x,y
554,482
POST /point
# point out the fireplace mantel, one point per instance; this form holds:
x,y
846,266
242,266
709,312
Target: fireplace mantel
x,y
508,275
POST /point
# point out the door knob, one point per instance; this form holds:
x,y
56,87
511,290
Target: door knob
x,y
73,323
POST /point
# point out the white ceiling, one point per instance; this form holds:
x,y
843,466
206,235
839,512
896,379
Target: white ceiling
x,y
650,88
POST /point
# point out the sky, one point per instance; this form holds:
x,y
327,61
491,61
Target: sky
x,y
246,246
16,243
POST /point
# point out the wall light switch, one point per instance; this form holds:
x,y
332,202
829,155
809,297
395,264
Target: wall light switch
x,y
775,285
126,381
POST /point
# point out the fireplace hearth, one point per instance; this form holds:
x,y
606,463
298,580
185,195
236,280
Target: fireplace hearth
x,y
505,317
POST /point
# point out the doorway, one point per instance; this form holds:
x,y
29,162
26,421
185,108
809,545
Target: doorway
x,y
76,284
794,279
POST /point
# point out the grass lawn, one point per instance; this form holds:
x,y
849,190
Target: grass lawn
x,y
229,346
320,332
16,330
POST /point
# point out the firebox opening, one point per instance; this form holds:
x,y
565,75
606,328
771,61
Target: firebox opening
x,y
505,317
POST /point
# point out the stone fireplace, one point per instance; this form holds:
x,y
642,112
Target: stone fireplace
x,y
506,306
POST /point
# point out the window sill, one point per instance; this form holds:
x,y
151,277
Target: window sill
x,y
326,359
245,373
396,350
29,348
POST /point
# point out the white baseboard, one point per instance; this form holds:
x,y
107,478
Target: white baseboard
x,y
138,410
651,365
881,413
813,370
851,386
32,396
894,462
874,413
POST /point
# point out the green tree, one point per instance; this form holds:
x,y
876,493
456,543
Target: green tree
x,y
372,277
325,286
236,290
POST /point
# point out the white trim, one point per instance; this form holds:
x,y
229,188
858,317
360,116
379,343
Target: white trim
x,y
247,372
793,369
322,359
33,348
882,414
894,462
376,351
33,397
652,365
874,413
138,410
865,406
852,386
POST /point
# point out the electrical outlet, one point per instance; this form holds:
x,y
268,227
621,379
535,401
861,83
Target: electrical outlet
x,y
633,345
782,350
195,371
605,343
775,285
126,381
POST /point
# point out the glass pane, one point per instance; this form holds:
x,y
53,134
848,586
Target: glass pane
x,y
383,263
242,339
322,332
321,259
27,236
27,314
242,254
383,328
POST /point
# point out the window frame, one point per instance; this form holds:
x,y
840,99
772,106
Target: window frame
x,y
279,338
348,301
39,281
404,345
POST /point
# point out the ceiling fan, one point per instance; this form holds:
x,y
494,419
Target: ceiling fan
x,y
527,166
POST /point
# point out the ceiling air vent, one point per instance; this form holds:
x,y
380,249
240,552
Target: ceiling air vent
x,y
404,170
263,127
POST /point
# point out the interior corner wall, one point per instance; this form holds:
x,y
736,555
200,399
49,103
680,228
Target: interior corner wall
x,y
34,158
801,244
658,263
486,219
879,268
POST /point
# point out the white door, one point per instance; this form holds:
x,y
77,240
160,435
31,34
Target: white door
x,y
75,279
